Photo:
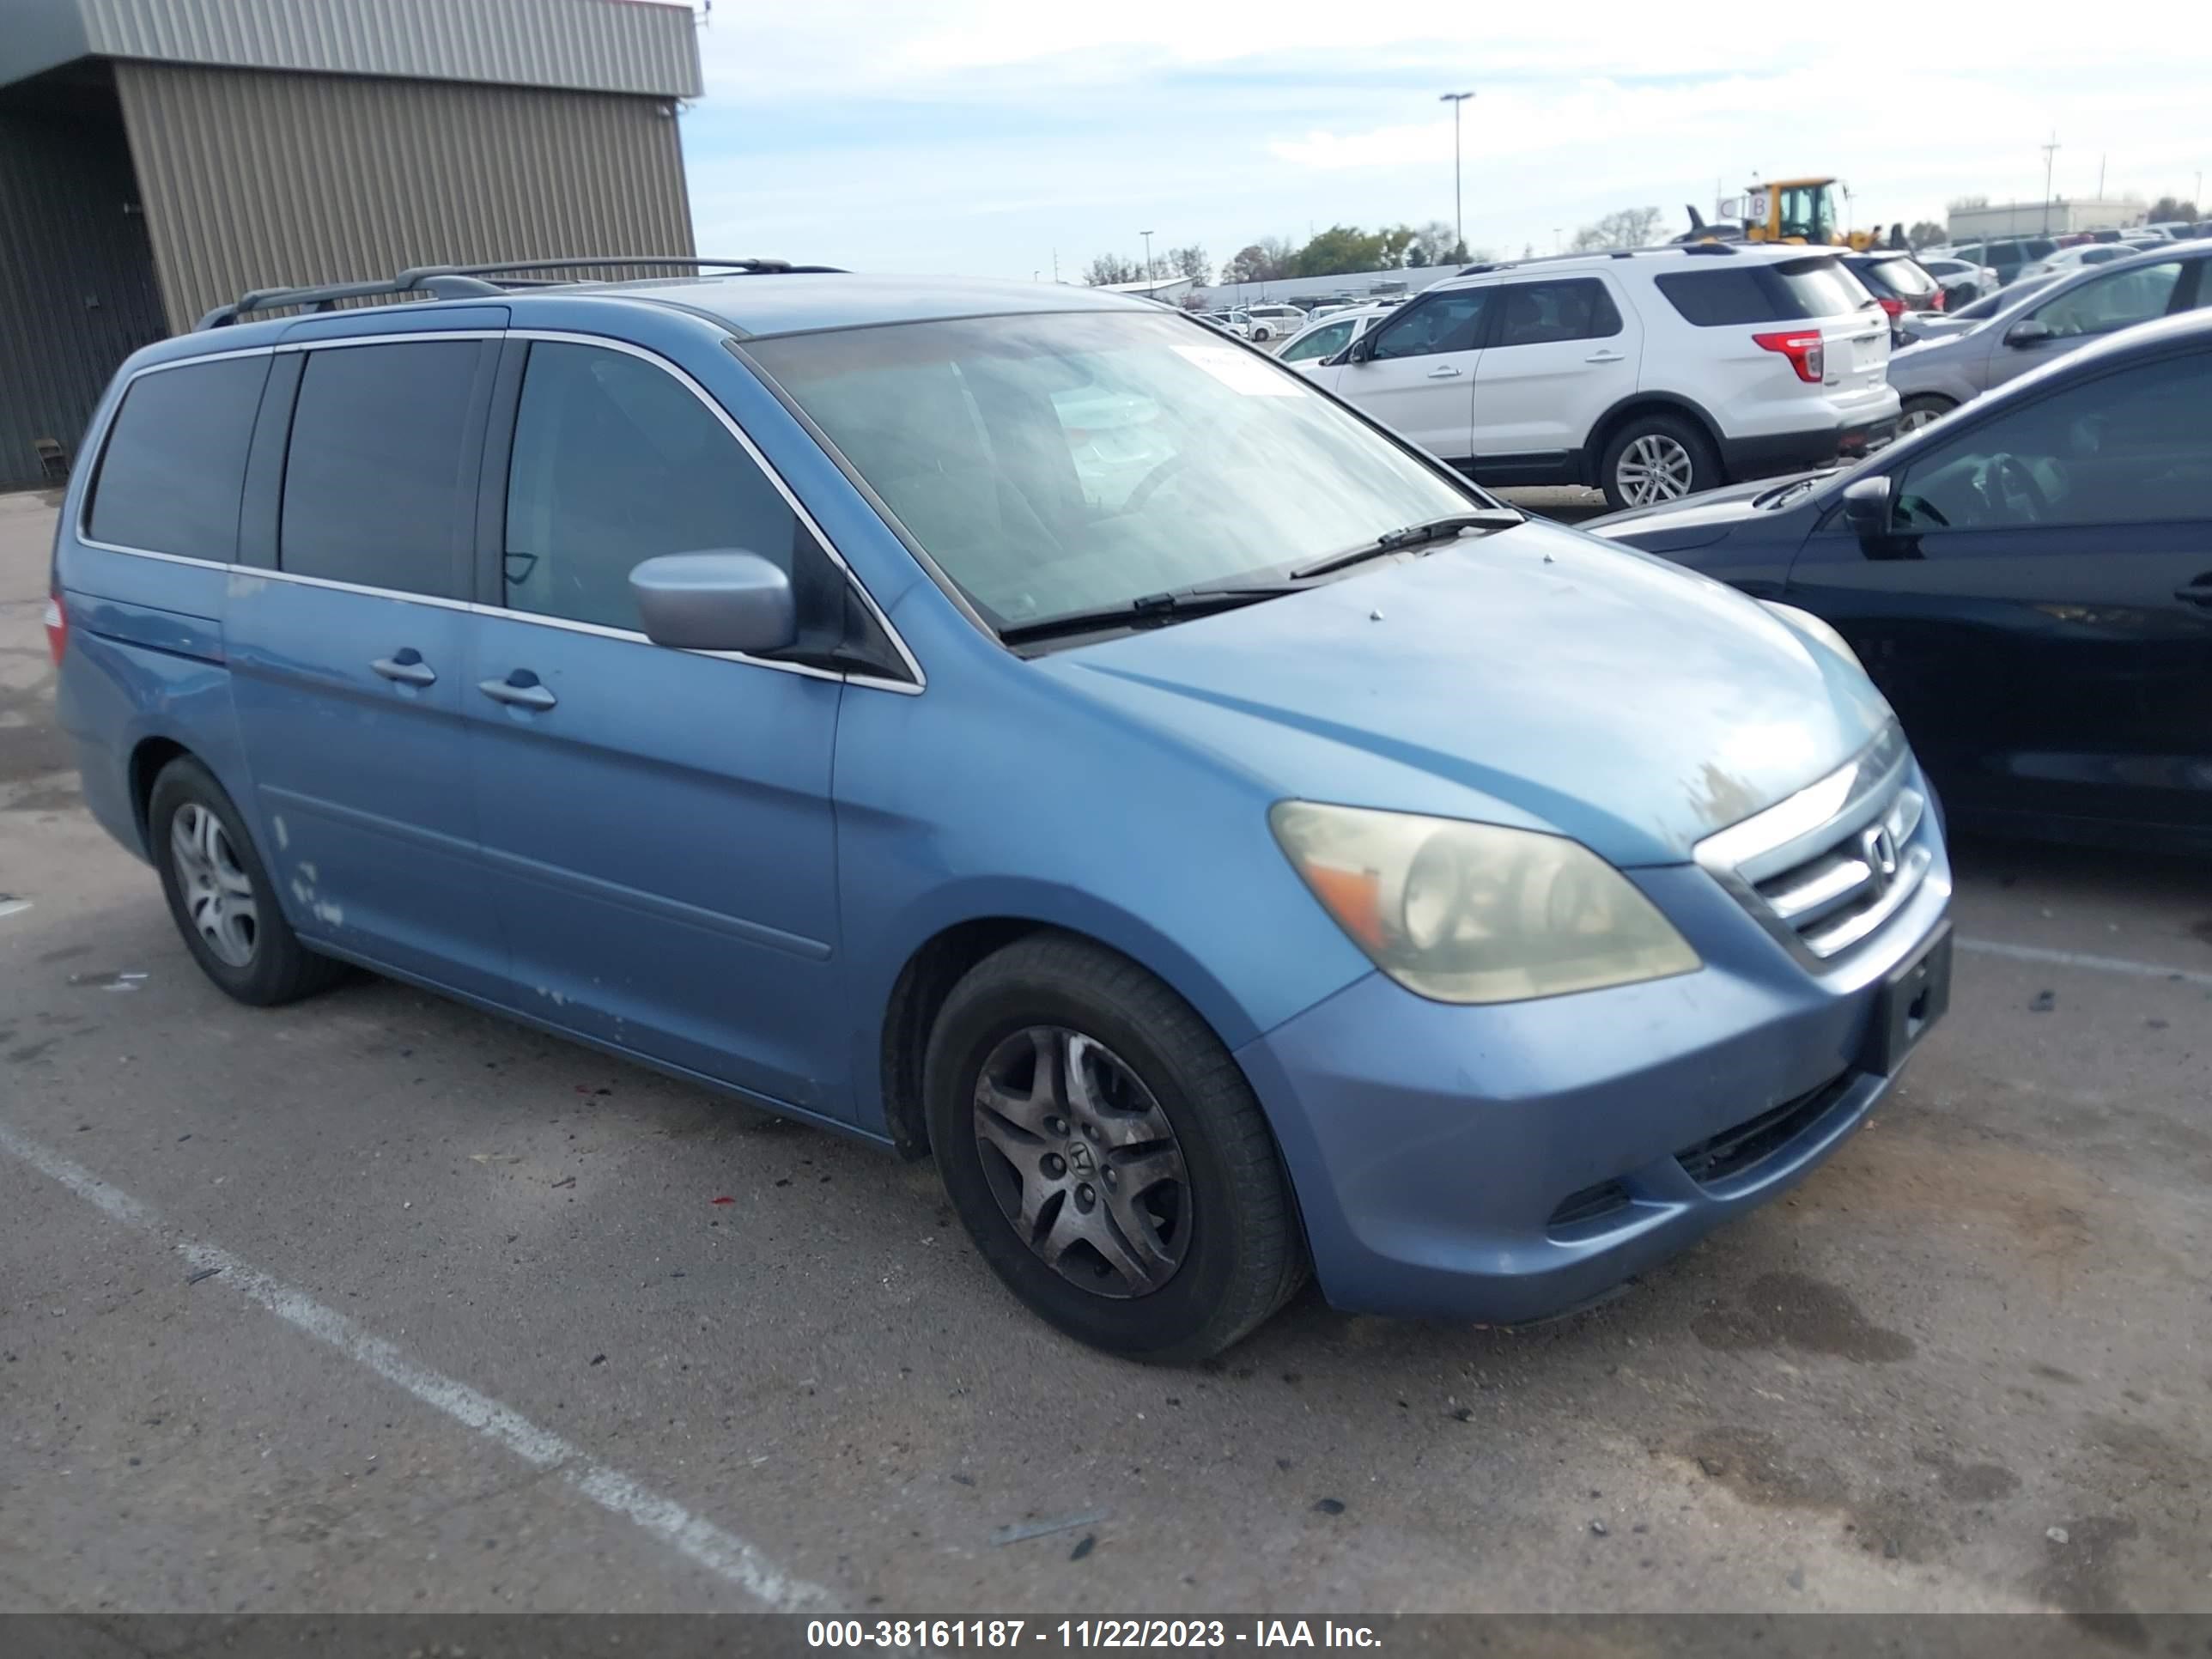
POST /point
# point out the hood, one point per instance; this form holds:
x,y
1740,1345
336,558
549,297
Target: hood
x,y
1696,520
1534,678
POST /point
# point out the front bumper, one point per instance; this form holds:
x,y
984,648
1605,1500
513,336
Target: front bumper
x,y
1510,1163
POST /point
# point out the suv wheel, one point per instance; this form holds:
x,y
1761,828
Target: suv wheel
x,y
221,898
1656,458
1106,1154
1919,411
1260,332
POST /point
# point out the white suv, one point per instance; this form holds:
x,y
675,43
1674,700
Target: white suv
x,y
1273,322
1650,373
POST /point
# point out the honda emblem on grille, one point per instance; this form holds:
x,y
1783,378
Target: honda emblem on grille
x,y
1879,847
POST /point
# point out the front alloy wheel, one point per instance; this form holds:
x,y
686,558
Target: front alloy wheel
x,y
1084,1164
1106,1153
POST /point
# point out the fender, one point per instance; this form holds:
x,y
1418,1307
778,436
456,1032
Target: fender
x,y
1600,429
1020,901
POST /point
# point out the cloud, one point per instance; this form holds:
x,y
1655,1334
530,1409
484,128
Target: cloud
x,y
982,135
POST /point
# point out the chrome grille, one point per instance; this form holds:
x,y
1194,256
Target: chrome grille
x,y
1824,869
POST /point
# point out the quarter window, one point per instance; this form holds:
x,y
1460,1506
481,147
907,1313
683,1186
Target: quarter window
x,y
615,461
175,462
1536,313
380,481
2129,447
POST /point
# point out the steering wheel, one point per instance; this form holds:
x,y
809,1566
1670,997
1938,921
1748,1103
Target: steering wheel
x,y
2019,490
1149,484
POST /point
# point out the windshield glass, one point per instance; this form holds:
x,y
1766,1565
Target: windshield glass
x,y
1901,277
1053,463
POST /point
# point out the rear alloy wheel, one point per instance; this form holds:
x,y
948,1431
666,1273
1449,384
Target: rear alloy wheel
x,y
1654,458
220,895
1106,1153
1919,411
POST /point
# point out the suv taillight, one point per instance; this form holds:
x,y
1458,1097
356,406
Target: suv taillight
x,y
1802,349
1890,304
1936,300
57,625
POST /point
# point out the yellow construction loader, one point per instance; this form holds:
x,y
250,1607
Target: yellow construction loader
x,y
1786,210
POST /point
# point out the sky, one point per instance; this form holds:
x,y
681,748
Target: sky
x,y
986,136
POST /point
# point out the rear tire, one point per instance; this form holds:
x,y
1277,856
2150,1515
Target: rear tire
x,y
1919,411
220,895
1200,1243
1656,458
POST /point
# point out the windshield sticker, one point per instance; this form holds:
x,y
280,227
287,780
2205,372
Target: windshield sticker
x,y
1238,372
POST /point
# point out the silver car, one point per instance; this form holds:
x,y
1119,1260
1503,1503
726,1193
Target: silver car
x,y
1935,375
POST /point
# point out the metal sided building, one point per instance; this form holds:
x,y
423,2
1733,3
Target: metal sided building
x,y
158,157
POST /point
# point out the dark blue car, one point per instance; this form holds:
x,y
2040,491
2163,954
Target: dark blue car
x,y
2029,581
1017,724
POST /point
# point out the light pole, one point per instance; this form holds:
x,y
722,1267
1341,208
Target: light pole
x,y
1459,217
2049,150
1147,235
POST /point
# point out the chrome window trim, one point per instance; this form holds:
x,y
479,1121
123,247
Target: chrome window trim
x,y
874,682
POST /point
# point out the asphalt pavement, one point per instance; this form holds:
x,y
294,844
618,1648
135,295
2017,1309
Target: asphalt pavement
x,y
377,1302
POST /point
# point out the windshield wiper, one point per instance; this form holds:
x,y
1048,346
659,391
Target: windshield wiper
x,y
1795,488
1412,535
1154,610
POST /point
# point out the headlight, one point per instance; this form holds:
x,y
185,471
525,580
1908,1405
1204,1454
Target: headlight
x,y
1474,913
1806,623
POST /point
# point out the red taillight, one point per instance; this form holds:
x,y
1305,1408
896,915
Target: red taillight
x,y
1936,300
57,625
1892,304
1803,350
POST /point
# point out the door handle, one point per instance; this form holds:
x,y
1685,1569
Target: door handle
x,y
1443,372
1605,358
520,690
406,667
2197,592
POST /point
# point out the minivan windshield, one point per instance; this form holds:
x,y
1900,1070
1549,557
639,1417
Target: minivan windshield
x,y
1061,463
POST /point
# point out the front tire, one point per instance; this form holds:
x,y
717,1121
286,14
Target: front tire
x,y
1106,1154
1259,335
1654,459
219,895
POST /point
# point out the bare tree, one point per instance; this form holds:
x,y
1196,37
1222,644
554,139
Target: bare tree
x,y
1190,262
1624,228
1109,268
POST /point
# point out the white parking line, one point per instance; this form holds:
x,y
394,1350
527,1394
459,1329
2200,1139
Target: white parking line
x,y
1991,947
722,1554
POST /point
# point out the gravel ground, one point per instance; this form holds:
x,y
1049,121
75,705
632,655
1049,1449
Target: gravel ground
x,y
499,1323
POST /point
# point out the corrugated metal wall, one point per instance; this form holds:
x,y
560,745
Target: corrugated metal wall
x,y
604,45
76,282
254,179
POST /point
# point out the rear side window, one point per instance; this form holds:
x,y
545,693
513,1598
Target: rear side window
x,y
1789,292
615,461
1536,313
175,462
380,482
1903,278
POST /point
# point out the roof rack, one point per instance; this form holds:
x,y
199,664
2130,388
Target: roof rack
x,y
1723,248
463,282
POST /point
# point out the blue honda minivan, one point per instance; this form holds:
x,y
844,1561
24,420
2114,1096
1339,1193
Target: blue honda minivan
x,y
1015,725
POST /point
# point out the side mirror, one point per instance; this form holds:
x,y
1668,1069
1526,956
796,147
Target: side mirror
x,y
2027,332
1866,507
724,600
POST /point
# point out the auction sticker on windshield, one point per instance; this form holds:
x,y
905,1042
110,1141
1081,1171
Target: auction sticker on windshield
x,y
1239,372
